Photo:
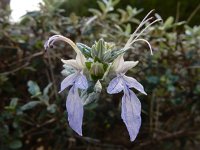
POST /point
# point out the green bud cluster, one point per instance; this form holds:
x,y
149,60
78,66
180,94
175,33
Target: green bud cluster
x,y
99,57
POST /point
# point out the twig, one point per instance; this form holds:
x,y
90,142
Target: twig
x,y
151,111
193,13
15,70
52,76
101,144
157,114
40,126
177,15
171,136
27,58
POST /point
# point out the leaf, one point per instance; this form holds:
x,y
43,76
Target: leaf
x,y
13,102
153,79
100,47
168,22
95,12
33,88
93,96
84,49
115,2
30,105
88,65
16,144
102,6
52,108
46,89
128,29
106,56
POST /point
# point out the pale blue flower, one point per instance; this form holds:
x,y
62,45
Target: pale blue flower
x,y
74,103
99,64
131,106
77,81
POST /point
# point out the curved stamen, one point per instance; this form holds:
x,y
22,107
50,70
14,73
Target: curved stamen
x,y
127,48
143,22
157,20
131,40
134,37
145,42
135,32
50,42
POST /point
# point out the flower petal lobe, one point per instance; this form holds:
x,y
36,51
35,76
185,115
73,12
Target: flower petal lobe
x,y
75,110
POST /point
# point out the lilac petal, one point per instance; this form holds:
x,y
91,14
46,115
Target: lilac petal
x,y
75,110
69,80
81,82
131,110
133,83
115,85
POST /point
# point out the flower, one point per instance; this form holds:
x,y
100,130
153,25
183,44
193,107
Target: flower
x,y
74,103
95,65
131,106
76,80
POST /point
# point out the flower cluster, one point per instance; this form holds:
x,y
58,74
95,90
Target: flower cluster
x,y
97,64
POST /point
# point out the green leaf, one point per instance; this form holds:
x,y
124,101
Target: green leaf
x,y
128,29
88,65
115,2
16,144
33,88
46,89
100,48
30,105
12,105
52,108
102,6
168,22
153,79
84,49
13,102
95,12
107,56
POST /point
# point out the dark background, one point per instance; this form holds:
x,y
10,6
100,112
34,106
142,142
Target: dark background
x,y
33,115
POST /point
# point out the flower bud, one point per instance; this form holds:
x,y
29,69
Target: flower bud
x,y
98,87
97,70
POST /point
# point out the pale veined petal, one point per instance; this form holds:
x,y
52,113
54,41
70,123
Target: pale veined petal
x,y
130,113
69,80
115,85
133,83
75,110
80,58
81,82
121,66
77,63
118,63
128,65
71,62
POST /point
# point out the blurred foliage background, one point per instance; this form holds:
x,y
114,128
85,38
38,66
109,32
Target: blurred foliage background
x,y
33,114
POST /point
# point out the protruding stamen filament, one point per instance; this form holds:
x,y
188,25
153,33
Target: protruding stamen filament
x,y
145,42
56,38
134,37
